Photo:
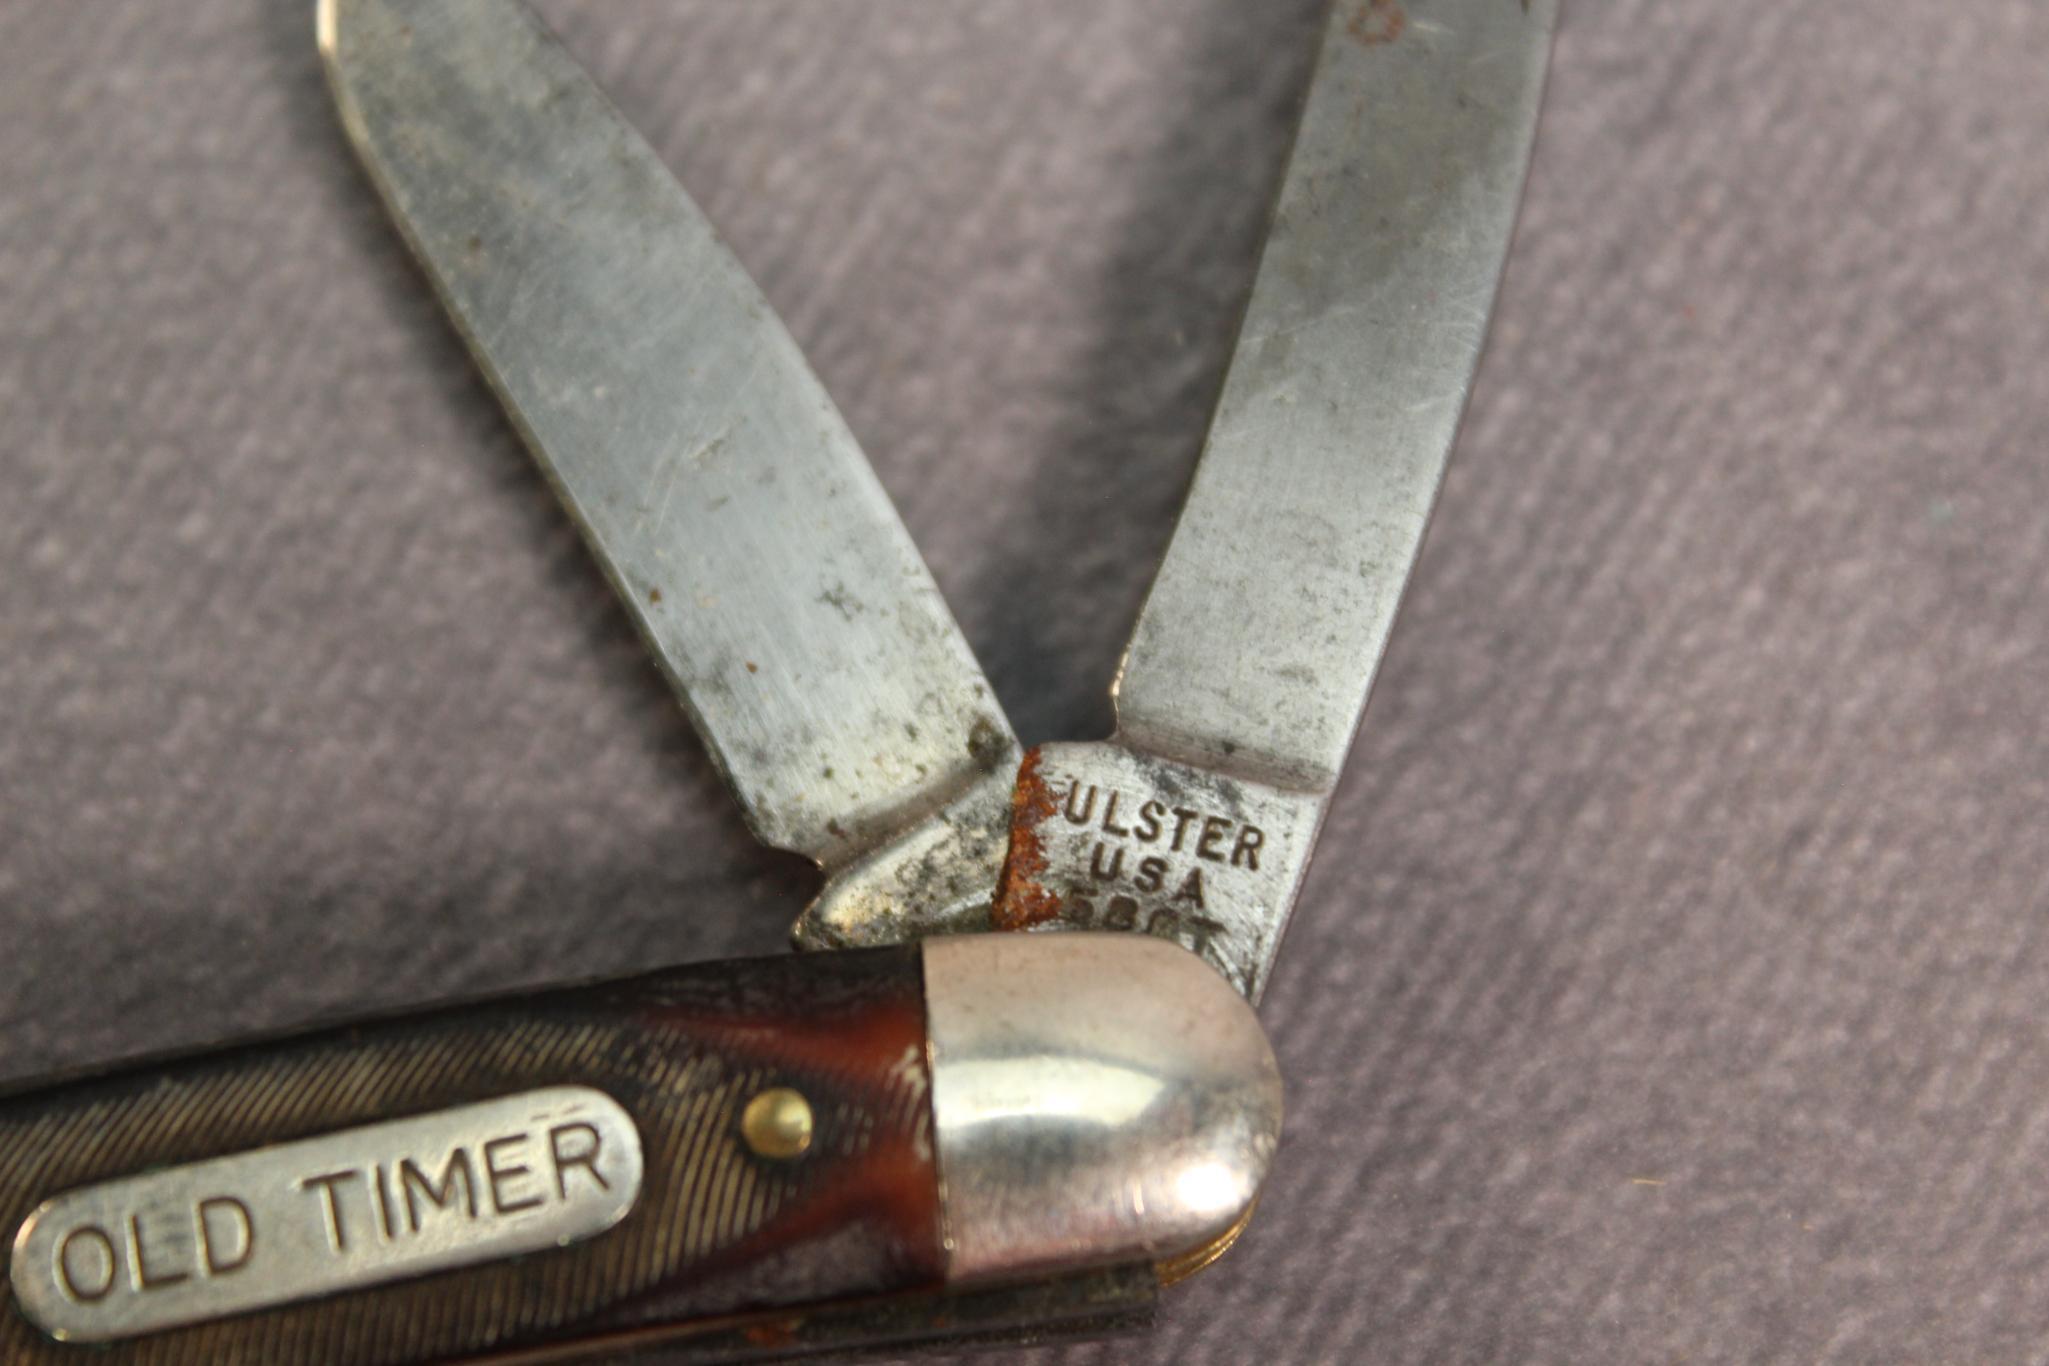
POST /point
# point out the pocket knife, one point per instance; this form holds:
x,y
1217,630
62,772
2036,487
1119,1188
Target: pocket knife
x,y
1020,1083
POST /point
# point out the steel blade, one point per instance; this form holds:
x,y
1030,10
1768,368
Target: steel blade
x,y
1253,657
710,473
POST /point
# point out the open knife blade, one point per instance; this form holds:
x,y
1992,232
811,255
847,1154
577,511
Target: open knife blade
x,y
998,1129
1251,663
709,471
980,1132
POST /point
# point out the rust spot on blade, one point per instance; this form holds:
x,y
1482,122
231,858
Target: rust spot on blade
x,y
1377,22
1022,900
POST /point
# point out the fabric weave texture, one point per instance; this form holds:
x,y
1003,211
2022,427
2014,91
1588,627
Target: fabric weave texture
x,y
1673,981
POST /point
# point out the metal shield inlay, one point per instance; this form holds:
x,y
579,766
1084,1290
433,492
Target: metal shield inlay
x,y
339,1212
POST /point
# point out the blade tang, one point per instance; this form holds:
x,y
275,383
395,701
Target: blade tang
x,y
1253,657
714,480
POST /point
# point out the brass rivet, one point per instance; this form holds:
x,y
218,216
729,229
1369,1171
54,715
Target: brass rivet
x,y
777,1124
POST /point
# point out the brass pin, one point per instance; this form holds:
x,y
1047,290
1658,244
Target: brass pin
x,y
777,1124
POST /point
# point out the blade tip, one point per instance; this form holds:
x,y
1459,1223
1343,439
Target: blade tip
x,y
326,29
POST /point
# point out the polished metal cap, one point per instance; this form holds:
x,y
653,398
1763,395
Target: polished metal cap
x,y
1097,1098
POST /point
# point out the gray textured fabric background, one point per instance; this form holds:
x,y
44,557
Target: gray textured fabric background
x,y
1673,983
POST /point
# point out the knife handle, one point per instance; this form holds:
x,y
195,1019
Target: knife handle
x,y
540,1176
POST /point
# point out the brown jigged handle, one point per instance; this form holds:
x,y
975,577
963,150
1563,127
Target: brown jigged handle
x,y
781,1108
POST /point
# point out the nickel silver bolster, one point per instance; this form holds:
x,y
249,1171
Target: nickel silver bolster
x,y
1096,1099
1021,1123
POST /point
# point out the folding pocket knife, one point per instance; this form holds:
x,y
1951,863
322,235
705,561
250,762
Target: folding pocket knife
x,y
924,1133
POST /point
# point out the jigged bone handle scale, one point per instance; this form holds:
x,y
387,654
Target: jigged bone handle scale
x,y
754,1157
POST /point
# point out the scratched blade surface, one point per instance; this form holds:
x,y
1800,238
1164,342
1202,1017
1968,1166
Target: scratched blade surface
x,y
709,471
1258,643
1252,659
